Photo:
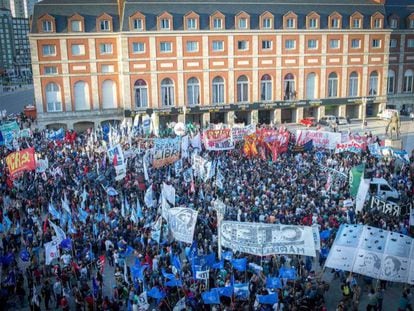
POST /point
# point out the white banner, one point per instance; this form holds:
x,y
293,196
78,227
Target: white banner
x,y
321,139
202,275
361,195
316,237
265,239
51,251
349,146
238,133
374,252
168,199
182,223
116,151
201,167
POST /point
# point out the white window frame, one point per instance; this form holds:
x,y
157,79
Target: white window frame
x,y
193,92
106,48
217,23
391,82
393,43
408,81
105,25
335,22
376,43
49,50
141,95
289,46
290,23
313,23
267,23
191,46
337,44
77,49
137,24
373,83
47,26
312,44
411,25
242,89
356,23
266,44
242,23
218,45
333,86
191,24
138,47
165,47
377,23
50,70
77,28
55,106
353,85
165,24
356,41
242,45
266,89
218,91
167,93
410,43
393,23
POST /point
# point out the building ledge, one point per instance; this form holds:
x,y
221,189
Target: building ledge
x,y
77,116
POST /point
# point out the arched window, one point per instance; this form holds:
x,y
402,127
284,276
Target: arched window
x,y
167,92
373,83
332,85
141,94
81,95
353,84
53,97
266,88
109,94
391,82
289,85
311,86
193,92
218,90
408,81
242,89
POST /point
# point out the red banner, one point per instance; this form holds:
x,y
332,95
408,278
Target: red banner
x,y
20,161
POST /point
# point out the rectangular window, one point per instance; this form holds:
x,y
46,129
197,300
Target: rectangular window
x,y
191,24
393,43
218,45
266,44
165,47
376,43
312,44
76,26
355,43
138,24
49,50
313,23
107,68
217,23
192,46
243,45
165,24
393,23
105,25
334,44
290,23
377,23
78,49
267,23
390,84
335,23
50,70
411,23
138,47
242,23
46,26
410,43
356,23
105,48
290,44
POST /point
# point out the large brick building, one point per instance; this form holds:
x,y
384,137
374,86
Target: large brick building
x,y
220,61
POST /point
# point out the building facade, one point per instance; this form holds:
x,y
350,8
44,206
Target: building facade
x,y
227,61
19,8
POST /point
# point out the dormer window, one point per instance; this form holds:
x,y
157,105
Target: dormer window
x,y
191,24
105,25
290,23
76,26
393,23
266,23
356,23
165,24
377,23
243,23
357,18
313,23
137,24
47,26
266,20
217,23
335,23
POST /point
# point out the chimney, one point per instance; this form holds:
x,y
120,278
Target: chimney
x,y
379,1
120,7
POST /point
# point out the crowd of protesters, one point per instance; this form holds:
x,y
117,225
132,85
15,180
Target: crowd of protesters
x,y
290,190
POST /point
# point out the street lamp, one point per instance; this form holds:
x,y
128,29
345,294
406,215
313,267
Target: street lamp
x,y
364,111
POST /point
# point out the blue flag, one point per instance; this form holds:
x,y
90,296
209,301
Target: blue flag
x,y
7,259
137,271
267,299
24,255
239,264
227,255
53,211
225,291
241,290
176,262
325,234
218,265
129,251
66,244
193,250
211,297
174,282
155,293
7,223
287,273
273,283
308,146
95,288
169,276
83,215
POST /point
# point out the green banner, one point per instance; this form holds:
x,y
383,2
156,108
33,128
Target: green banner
x,y
355,177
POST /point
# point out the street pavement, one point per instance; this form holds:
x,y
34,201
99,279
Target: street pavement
x,y
15,102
